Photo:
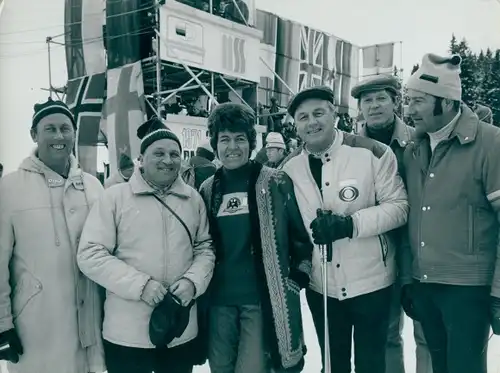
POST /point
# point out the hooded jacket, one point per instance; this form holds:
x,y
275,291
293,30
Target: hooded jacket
x,y
129,238
54,308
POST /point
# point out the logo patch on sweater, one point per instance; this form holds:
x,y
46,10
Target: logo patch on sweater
x,y
348,193
233,204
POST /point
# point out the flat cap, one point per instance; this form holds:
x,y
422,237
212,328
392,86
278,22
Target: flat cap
x,y
318,92
376,83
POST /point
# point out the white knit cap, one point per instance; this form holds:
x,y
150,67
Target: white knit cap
x,y
275,140
438,76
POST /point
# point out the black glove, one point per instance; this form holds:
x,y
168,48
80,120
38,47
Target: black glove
x,y
328,228
495,315
407,301
300,278
10,346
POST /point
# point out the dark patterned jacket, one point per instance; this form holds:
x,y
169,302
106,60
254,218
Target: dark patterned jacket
x,y
282,246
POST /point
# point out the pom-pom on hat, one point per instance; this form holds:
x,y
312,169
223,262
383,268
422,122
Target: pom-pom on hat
x,y
51,107
153,130
438,76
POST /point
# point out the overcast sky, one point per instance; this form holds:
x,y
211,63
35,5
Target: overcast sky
x,y
422,25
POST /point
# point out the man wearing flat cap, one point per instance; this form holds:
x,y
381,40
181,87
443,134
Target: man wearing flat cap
x,y
377,101
350,195
453,180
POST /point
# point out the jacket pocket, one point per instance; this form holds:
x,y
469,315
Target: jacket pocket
x,y
470,229
384,248
25,290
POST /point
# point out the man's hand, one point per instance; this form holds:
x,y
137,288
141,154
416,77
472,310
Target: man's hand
x,y
153,293
495,315
10,346
407,301
328,228
184,290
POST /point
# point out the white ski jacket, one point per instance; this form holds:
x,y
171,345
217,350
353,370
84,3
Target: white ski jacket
x,y
360,179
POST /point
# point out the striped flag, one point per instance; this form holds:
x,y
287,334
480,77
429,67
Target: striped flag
x,y
84,42
125,112
378,59
84,97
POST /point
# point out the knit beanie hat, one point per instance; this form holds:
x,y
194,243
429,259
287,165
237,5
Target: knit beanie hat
x,y
438,76
205,151
51,107
275,140
153,130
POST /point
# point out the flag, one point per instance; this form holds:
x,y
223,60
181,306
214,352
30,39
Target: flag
x,y
84,97
288,44
125,112
311,57
84,40
267,23
378,59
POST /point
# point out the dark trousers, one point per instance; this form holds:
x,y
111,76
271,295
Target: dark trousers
x,y
368,316
456,325
121,359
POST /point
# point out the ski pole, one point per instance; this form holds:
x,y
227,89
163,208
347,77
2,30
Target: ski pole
x,y
326,256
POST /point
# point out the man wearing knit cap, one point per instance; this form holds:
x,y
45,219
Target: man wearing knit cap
x,y
275,149
50,314
354,183
453,179
125,171
145,241
201,166
377,100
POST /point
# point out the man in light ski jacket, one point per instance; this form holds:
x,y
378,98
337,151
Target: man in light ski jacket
x,y
357,180
453,180
377,100
50,314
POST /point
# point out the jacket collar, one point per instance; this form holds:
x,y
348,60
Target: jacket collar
x,y
402,134
53,179
139,186
465,129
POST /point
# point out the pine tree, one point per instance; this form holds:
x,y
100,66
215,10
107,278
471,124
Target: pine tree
x,y
468,75
493,95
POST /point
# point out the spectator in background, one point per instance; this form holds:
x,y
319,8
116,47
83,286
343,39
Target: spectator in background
x,y
275,149
234,11
123,174
201,166
292,145
1,170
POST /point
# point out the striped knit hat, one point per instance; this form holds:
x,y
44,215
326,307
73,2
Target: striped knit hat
x,y
51,107
153,130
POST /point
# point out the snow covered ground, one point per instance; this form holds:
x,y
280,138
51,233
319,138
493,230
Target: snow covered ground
x,y
313,359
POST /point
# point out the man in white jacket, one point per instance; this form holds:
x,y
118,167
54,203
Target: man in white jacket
x,y
355,179
139,250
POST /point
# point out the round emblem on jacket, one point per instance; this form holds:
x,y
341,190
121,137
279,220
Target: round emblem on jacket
x,y
348,193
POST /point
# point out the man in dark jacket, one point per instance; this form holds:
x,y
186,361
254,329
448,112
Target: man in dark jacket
x,y
453,181
377,100
202,165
